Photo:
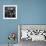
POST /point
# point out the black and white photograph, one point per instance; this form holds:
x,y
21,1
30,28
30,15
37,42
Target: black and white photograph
x,y
31,34
9,11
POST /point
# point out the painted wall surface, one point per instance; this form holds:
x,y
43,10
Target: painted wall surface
x,y
33,12
28,12
7,26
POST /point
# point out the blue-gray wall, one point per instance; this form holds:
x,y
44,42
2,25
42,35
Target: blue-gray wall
x,y
28,12
33,12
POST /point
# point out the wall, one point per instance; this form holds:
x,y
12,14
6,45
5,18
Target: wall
x,y
34,12
28,12
7,26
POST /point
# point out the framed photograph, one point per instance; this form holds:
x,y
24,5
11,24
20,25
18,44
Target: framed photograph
x,y
33,32
9,11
